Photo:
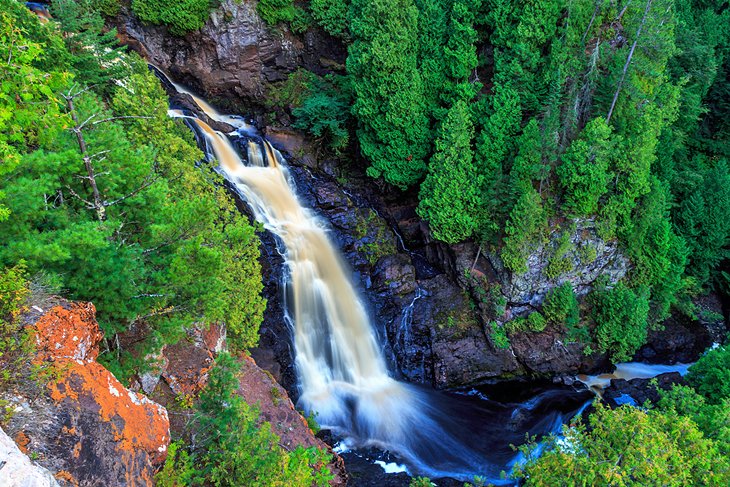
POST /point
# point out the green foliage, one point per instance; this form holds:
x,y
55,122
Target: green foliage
x,y
561,261
178,470
524,229
630,447
420,482
393,127
324,111
498,334
494,143
275,11
110,8
449,194
180,17
702,216
712,419
620,316
583,173
125,219
561,306
15,347
237,448
331,15
710,376
534,322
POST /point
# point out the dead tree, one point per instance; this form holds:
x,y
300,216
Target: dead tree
x,y
98,203
628,59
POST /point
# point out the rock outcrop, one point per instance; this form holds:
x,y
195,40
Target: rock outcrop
x,y
181,372
16,469
235,54
87,428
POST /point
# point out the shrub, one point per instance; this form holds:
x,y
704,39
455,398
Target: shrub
x,y
331,15
710,376
498,335
561,306
181,17
621,320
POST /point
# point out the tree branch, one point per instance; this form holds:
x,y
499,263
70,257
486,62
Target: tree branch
x,y
628,60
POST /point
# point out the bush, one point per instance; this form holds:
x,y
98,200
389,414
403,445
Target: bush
x,y
710,376
181,17
498,335
275,11
561,306
331,15
237,448
621,316
325,111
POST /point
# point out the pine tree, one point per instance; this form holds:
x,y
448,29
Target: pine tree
x,y
450,194
389,92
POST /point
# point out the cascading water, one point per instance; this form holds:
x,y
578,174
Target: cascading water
x,y
342,373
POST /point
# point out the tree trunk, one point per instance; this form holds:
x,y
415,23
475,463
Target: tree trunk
x,y
628,61
77,129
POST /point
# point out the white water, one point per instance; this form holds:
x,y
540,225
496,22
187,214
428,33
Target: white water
x,y
342,372
628,371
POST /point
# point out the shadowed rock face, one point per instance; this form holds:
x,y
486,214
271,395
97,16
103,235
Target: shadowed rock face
x,y
234,54
89,430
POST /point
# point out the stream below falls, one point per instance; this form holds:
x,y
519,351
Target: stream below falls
x,y
342,374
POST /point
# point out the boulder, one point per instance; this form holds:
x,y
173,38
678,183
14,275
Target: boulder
x,y
88,429
16,469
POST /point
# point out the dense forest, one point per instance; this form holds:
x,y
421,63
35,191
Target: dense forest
x,y
514,121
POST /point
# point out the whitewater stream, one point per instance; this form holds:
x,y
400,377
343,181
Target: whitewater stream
x,y
342,373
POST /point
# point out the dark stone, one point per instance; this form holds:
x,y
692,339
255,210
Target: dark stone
x,y
640,390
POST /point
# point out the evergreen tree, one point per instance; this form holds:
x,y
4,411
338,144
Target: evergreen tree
x,y
583,172
389,101
524,229
450,193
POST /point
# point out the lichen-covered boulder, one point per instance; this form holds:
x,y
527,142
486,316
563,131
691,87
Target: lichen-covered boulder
x,y
89,430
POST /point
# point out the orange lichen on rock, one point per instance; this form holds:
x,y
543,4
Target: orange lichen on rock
x,y
68,332
137,422
137,429
22,440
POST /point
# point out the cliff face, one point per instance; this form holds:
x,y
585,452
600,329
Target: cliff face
x,y
86,428
235,54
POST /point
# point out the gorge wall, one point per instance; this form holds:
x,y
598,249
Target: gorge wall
x,y
432,302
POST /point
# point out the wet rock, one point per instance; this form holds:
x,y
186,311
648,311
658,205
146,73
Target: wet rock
x,y
640,390
395,274
549,352
462,352
16,469
292,142
89,429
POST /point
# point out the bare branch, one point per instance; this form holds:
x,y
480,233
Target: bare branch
x,y
112,119
144,186
628,60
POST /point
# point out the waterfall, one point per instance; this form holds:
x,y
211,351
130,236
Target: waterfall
x,y
343,377
342,373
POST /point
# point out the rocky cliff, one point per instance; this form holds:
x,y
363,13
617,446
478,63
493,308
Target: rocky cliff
x,y
84,426
234,55
431,302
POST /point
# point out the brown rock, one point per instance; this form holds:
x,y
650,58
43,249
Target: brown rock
x,y
259,387
90,430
